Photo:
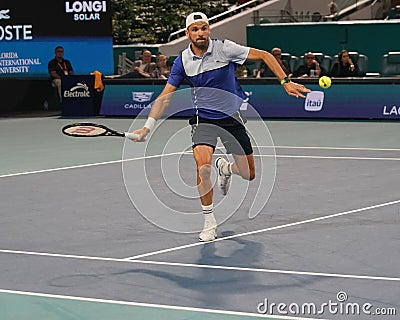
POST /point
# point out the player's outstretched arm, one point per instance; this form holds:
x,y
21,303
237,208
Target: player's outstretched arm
x,y
292,88
156,112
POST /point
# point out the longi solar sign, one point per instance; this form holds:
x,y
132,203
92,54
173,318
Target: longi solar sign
x,y
30,31
86,10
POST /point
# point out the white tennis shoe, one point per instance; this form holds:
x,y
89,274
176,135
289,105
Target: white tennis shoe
x,y
224,180
209,232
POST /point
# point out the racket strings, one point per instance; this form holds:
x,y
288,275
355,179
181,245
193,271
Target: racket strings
x,y
90,130
85,131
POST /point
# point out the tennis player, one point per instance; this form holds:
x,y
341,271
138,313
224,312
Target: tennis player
x,y
211,63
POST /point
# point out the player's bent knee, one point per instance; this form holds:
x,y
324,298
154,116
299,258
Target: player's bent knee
x,y
204,171
249,175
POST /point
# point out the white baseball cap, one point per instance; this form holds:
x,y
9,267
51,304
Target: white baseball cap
x,y
195,17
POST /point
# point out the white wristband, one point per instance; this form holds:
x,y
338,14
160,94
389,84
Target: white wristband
x,y
150,123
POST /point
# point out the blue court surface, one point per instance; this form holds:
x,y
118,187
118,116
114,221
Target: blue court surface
x,y
105,228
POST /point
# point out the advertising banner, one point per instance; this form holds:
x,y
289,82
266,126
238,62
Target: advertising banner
x,y
355,101
79,98
30,31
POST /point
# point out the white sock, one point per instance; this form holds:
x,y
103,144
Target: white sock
x,y
208,213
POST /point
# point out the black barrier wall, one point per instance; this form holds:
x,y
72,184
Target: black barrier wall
x,y
27,95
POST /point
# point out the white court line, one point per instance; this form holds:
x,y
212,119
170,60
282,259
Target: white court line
x,y
188,152
201,266
88,165
150,305
266,229
328,157
59,169
134,259
332,148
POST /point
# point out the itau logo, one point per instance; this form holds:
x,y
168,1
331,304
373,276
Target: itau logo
x,y
314,101
4,14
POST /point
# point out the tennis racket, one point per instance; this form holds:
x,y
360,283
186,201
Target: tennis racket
x,y
88,129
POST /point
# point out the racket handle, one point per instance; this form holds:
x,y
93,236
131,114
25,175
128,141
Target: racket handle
x,y
131,135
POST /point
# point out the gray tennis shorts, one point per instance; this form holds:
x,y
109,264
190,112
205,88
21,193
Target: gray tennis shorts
x,y
231,131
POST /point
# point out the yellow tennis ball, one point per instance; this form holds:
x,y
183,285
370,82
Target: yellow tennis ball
x,y
325,82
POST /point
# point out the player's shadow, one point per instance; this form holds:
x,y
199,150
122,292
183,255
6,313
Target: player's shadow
x,y
211,283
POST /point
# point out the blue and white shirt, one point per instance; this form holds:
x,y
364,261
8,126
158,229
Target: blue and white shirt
x,y
216,91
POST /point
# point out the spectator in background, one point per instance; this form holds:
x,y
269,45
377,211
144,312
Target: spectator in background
x,y
333,12
141,68
310,67
59,67
241,71
345,67
333,8
159,53
266,72
144,66
162,70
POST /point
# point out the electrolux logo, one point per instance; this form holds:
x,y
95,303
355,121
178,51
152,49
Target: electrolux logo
x,y
80,90
86,10
314,101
